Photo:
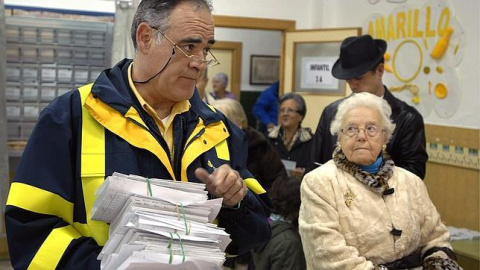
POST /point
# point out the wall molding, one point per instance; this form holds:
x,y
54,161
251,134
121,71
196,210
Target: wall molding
x,y
453,146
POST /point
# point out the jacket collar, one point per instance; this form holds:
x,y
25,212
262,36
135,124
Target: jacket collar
x,y
304,133
390,98
112,88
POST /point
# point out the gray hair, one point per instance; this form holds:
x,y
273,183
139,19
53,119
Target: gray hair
x,y
157,13
363,99
222,77
233,110
302,107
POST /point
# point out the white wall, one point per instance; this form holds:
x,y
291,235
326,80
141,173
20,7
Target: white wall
x,y
347,13
298,10
253,42
332,14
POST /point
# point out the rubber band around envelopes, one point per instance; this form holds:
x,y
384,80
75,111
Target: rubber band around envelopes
x,y
187,224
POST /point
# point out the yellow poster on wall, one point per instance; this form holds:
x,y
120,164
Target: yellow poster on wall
x,y
425,46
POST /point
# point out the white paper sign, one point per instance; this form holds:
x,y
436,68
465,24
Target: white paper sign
x,y
317,73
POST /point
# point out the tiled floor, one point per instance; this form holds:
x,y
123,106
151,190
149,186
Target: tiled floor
x,y
5,265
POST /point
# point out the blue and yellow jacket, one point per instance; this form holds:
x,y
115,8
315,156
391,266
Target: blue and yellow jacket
x,y
89,133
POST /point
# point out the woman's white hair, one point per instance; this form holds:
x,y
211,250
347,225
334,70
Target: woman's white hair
x,y
233,110
368,100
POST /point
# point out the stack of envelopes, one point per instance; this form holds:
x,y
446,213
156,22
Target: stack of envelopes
x,y
156,223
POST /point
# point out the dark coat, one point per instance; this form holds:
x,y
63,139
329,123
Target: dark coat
x,y
300,149
407,147
284,251
263,160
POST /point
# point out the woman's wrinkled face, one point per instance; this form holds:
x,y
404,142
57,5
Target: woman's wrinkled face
x,y
364,147
288,115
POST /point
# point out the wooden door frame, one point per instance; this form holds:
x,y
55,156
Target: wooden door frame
x,y
259,24
235,73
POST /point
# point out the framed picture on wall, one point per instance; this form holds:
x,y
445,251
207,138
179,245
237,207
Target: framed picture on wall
x,y
312,70
264,69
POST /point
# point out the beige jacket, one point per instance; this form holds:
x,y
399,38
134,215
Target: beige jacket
x,y
336,236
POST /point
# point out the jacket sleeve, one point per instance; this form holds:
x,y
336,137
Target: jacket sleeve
x,y
409,151
266,103
271,167
41,203
324,245
288,255
248,226
264,162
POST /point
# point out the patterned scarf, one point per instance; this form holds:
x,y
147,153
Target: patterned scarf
x,y
377,181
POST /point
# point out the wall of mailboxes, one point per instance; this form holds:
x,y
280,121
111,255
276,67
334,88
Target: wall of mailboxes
x,y
47,57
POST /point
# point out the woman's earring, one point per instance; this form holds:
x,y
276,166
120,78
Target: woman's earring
x,y
338,148
384,147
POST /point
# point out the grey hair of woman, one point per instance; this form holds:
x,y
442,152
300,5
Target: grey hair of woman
x,y
157,14
302,107
233,110
222,77
368,100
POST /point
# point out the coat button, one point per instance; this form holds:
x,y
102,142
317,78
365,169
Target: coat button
x,y
224,130
205,141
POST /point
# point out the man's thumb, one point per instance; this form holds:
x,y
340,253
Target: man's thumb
x,y
202,175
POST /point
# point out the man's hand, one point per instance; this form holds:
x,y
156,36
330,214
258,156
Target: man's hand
x,y
224,183
298,172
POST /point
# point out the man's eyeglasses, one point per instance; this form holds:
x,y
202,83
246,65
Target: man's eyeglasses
x,y
192,58
288,111
370,130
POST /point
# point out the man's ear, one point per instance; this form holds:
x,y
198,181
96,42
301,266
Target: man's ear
x,y
380,69
145,37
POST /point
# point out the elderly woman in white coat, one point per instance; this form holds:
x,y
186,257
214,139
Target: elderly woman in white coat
x,y
360,211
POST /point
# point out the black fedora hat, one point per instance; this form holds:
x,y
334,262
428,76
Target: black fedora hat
x,y
357,56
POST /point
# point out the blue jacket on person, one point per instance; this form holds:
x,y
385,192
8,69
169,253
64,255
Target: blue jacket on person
x,y
88,134
265,108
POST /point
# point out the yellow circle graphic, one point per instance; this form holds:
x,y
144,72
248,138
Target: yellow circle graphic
x,y
441,90
420,62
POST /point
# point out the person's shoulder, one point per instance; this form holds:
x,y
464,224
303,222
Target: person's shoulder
x,y
332,108
305,134
68,99
285,230
274,132
321,176
405,177
254,136
334,105
400,105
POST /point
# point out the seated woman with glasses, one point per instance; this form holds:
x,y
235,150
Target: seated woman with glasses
x,y
360,211
289,138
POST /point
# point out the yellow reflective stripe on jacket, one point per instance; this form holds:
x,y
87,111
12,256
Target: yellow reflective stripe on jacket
x,y
53,248
212,136
133,114
92,169
254,185
52,204
126,129
222,150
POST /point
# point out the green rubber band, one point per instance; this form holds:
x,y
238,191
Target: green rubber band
x,y
170,248
181,247
187,231
149,188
